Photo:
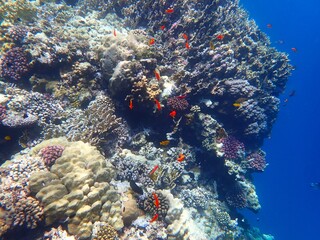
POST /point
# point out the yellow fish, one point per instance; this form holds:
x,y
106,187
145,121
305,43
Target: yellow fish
x,y
7,138
237,104
211,45
164,143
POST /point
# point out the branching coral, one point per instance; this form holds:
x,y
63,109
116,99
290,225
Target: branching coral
x,y
14,64
12,10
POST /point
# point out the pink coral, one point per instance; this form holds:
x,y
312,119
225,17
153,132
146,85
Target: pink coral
x,y
3,111
50,154
178,103
232,148
236,196
256,161
14,64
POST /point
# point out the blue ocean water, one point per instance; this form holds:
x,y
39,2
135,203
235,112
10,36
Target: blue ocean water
x,y
290,207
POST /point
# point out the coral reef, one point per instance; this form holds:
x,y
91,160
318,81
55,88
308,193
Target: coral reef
x,y
20,9
18,208
99,80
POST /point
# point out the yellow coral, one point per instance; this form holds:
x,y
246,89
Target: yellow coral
x,y
11,10
77,188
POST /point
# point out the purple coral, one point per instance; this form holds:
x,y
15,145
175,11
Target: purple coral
x,y
3,111
232,148
256,161
17,33
236,196
14,64
51,153
178,103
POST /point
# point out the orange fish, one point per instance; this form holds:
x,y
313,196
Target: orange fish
x,y
164,143
294,49
169,10
162,27
236,104
157,74
182,96
269,25
151,41
187,45
156,200
131,104
154,169
155,217
185,36
157,104
114,33
181,157
220,37
173,114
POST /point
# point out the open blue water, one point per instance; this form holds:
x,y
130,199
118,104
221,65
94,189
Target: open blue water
x,y
290,207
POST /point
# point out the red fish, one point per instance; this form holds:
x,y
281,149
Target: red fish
x,y
182,96
181,157
157,74
187,45
114,33
162,27
156,200
154,169
294,49
151,41
220,37
185,36
157,104
173,114
155,217
269,25
169,10
131,104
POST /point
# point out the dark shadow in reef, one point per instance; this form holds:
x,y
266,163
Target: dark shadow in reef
x,y
9,142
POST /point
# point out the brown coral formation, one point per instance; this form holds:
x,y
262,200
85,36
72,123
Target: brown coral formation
x,y
77,189
104,231
18,208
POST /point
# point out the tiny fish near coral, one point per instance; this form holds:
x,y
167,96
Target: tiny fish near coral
x,y
181,157
155,217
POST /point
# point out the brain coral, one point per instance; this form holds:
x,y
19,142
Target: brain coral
x,y
77,189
